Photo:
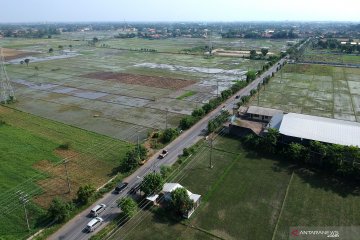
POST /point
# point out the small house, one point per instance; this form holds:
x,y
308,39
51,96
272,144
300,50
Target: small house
x,y
169,187
260,113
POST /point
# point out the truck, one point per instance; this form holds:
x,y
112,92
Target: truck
x,y
163,154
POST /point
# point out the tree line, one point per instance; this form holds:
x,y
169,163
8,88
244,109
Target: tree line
x,y
337,159
334,44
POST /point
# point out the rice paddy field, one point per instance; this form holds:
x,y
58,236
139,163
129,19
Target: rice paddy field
x,y
32,163
328,56
318,90
248,196
120,93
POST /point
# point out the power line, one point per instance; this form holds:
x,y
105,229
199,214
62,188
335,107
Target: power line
x,y
122,220
24,200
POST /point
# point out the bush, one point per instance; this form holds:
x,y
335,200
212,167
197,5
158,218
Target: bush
x,y
64,146
218,121
85,193
250,76
187,122
130,161
59,210
186,152
165,171
198,113
169,134
128,206
2,122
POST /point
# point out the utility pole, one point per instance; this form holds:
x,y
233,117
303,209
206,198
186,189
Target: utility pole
x,y
211,149
67,175
24,199
166,118
138,146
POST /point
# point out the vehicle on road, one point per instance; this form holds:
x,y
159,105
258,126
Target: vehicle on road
x,y
97,210
237,96
163,154
134,189
120,187
93,224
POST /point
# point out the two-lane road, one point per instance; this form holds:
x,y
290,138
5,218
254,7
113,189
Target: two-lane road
x,y
74,228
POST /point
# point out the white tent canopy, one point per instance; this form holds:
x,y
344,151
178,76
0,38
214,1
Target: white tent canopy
x,y
321,129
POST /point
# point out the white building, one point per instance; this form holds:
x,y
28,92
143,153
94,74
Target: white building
x,y
320,129
169,187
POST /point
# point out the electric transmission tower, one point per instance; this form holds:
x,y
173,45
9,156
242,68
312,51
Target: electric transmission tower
x,y
6,90
24,199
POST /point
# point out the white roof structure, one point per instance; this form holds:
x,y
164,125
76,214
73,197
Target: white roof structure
x,y
152,198
263,111
321,129
169,187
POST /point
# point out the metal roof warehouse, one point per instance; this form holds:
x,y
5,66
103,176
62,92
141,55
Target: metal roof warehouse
x,y
321,129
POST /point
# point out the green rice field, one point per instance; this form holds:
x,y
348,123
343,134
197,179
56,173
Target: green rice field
x,y
318,90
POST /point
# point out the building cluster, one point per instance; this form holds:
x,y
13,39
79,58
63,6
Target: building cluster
x,y
294,127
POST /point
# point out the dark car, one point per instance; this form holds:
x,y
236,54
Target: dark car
x,y
237,97
120,187
134,189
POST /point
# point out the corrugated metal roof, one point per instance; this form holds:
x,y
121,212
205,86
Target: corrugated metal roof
x,y
263,111
275,121
321,129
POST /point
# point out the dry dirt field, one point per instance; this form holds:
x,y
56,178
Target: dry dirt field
x,y
149,81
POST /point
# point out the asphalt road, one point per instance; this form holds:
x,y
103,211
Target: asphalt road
x,y
74,228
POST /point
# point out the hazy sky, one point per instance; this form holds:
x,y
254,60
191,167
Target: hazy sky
x,y
178,10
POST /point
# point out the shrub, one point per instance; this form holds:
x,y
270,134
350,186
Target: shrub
x,y
64,146
169,134
85,193
59,210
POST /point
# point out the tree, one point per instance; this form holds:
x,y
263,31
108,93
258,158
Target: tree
x,y
250,76
153,182
319,151
169,134
252,54
85,193
60,47
165,171
186,122
70,46
269,141
51,50
264,51
180,201
130,161
128,206
59,210
95,40
298,152
27,61
21,62
198,113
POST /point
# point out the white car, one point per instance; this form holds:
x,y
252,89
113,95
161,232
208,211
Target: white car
x,y
93,224
97,210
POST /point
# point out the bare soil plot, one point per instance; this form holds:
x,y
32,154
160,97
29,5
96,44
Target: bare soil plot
x,y
150,81
10,54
